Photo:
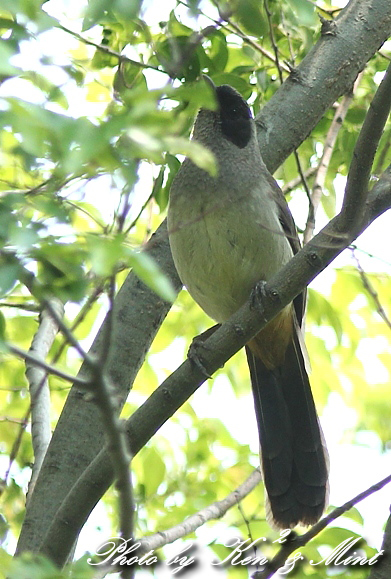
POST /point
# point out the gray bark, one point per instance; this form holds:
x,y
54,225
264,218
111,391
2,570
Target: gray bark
x,y
79,435
382,569
326,73
223,344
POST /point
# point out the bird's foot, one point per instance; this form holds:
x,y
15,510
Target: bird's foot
x,y
195,350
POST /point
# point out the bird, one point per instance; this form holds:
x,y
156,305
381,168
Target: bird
x,y
228,232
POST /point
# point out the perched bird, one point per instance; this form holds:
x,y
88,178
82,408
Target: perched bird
x,y
228,232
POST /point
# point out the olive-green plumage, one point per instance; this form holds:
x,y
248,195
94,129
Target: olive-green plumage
x,y
227,233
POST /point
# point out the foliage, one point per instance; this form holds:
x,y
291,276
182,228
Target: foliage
x,y
90,143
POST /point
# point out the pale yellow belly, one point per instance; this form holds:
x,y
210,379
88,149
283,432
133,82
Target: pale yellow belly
x,y
221,253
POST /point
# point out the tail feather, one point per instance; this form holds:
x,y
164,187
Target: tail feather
x,y
294,460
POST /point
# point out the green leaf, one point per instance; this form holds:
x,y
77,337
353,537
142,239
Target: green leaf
x,y
9,273
251,15
199,154
177,28
218,51
30,566
6,52
96,11
305,11
180,58
2,328
150,273
154,470
5,561
61,270
321,310
126,9
173,167
234,80
355,515
157,190
106,253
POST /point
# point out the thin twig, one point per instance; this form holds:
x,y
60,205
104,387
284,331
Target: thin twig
x,y
249,533
16,444
214,511
25,307
12,420
119,449
145,205
122,213
371,255
67,332
371,290
255,45
281,77
82,210
79,318
273,41
299,541
303,179
107,49
237,30
320,178
47,367
293,183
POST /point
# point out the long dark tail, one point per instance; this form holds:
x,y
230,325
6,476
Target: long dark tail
x,y
294,458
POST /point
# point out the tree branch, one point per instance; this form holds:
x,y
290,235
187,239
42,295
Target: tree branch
x,y
382,569
39,389
364,153
320,178
117,443
299,541
371,291
327,72
285,121
38,363
107,50
138,313
214,511
218,348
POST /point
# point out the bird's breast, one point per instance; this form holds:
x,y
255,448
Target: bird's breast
x,y
223,244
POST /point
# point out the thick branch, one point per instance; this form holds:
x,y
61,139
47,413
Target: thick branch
x,y
79,435
363,155
39,389
219,347
326,73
